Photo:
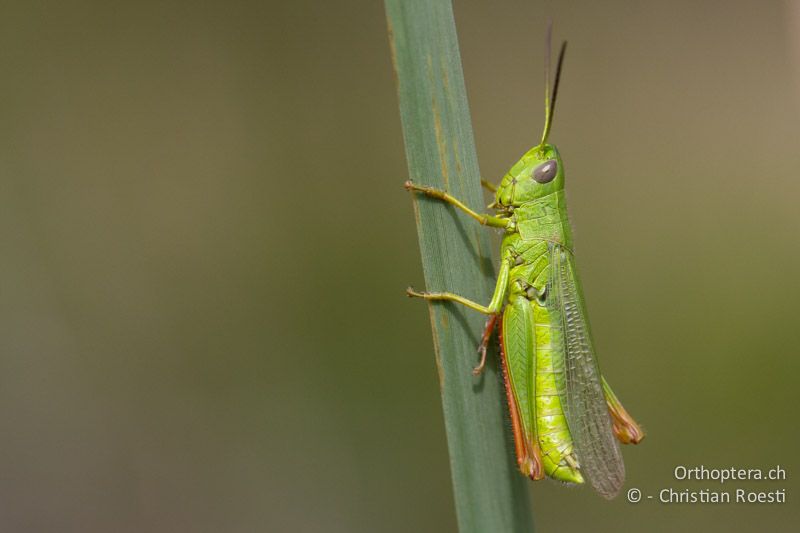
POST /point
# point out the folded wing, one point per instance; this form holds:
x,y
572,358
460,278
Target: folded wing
x,y
584,404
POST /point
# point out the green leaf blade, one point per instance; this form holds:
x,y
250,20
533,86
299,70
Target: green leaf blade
x,y
490,494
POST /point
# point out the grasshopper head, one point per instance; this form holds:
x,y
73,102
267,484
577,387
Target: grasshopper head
x,y
538,173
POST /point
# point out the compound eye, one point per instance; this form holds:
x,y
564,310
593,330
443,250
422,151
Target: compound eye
x,y
545,172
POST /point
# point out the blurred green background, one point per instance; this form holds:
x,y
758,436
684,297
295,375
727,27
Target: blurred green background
x,y
205,244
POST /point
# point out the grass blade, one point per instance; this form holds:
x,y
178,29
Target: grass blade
x,y
489,493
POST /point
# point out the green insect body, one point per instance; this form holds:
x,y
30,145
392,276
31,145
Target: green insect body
x,y
564,415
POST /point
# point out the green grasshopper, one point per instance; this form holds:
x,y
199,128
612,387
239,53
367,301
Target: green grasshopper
x,y
564,415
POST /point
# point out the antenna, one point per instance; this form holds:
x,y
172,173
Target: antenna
x,y
550,97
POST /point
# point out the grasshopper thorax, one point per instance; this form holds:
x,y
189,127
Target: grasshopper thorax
x,y
538,173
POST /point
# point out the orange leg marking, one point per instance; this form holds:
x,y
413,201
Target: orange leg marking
x,y
487,334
